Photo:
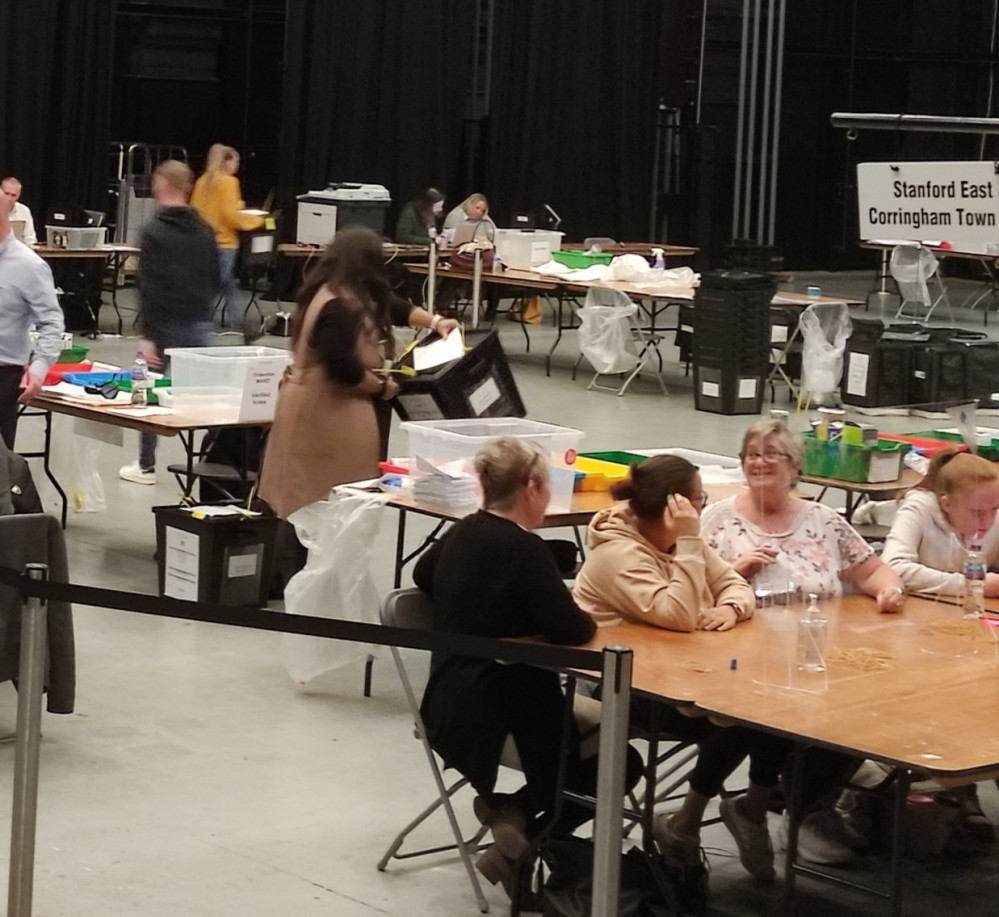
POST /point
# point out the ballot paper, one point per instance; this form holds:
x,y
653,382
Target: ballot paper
x,y
454,490
439,352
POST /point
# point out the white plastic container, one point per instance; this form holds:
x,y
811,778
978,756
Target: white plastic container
x,y
75,236
218,403
527,248
452,444
249,377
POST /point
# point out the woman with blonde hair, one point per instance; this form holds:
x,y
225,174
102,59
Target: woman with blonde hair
x,y
474,208
490,576
954,505
219,200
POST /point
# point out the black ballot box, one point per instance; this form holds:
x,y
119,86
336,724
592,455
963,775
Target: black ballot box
x,y
731,344
219,560
479,384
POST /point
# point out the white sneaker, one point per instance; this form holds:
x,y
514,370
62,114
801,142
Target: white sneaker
x,y
752,838
821,839
136,474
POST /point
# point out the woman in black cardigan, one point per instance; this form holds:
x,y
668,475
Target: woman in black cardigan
x,y
491,577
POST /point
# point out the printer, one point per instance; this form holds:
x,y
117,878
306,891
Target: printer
x,y
340,204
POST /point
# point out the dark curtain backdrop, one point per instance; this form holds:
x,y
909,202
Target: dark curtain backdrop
x,y
55,92
374,92
572,123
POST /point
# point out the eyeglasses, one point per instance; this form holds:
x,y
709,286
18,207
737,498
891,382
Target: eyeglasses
x,y
701,501
768,457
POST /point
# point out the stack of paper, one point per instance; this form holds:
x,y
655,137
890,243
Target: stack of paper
x,y
451,490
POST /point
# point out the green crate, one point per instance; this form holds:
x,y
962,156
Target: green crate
x,y
75,354
616,458
576,258
860,464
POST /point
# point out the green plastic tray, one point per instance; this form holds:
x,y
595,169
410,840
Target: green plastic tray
x,y
575,258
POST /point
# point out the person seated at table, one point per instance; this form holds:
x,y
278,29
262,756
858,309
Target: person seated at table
x,y
417,223
490,576
954,505
785,544
20,212
648,564
474,208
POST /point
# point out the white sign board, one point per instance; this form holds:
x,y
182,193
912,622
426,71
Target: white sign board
x,y
938,201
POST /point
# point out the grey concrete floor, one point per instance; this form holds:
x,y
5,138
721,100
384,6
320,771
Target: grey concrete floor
x,y
196,778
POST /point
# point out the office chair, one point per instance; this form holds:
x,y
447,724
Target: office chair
x,y
912,266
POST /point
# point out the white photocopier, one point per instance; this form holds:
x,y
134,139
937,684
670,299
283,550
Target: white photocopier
x,y
340,204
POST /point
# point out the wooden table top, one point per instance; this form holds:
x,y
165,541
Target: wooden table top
x,y
884,489
952,251
119,413
932,706
103,252
583,507
391,249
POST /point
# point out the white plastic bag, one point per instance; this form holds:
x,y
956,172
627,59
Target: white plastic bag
x,y
825,328
73,459
605,337
335,581
630,267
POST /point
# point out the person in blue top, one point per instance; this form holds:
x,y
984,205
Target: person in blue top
x,y
27,298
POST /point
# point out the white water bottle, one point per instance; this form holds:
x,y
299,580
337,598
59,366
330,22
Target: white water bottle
x,y
811,638
140,380
974,581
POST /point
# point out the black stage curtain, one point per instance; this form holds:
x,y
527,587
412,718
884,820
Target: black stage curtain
x,y
374,92
55,72
573,115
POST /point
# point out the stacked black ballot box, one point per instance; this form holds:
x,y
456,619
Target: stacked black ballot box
x,y
731,341
913,364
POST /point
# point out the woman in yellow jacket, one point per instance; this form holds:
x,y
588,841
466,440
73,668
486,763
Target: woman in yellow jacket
x,y
218,199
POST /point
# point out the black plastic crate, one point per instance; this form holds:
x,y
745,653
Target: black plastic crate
x,y
480,384
877,373
939,372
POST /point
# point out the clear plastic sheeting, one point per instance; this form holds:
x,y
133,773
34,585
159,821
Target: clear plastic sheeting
x,y
825,328
335,582
911,266
605,333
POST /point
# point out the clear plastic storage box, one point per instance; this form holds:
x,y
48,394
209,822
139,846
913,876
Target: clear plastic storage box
x,y
452,444
527,248
240,383
75,236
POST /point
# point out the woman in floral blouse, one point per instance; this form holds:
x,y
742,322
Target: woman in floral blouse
x,y
782,543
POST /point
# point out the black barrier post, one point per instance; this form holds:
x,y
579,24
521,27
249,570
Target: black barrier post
x,y
609,826
30,686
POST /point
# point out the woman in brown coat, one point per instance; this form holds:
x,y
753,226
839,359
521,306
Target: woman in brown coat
x,y
326,429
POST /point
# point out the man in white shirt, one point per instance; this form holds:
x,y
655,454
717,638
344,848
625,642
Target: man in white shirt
x,y
27,298
12,188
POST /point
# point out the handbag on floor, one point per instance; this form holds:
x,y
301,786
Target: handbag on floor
x,y
568,892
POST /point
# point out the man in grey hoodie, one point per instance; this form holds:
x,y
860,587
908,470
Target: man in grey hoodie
x,y
178,281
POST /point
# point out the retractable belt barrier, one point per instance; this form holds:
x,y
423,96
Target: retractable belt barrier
x,y
36,589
